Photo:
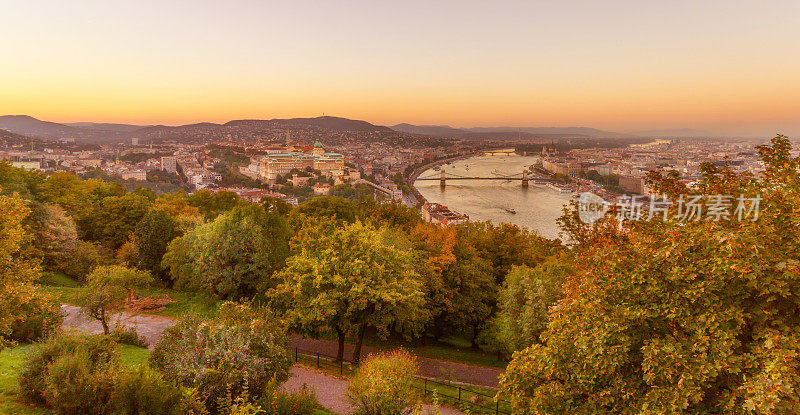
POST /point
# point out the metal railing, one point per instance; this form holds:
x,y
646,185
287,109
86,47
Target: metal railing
x,y
460,395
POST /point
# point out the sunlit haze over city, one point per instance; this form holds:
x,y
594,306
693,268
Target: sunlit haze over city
x,y
722,67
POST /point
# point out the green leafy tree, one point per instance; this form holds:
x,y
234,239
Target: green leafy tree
x,y
106,290
234,256
151,237
323,207
212,205
114,218
525,300
344,279
669,317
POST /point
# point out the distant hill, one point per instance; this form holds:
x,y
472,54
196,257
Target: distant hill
x,y
9,139
506,132
552,131
29,126
102,126
105,132
678,132
333,123
435,130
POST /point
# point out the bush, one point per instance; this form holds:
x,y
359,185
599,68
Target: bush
x,y
279,403
82,375
80,384
241,349
127,335
383,385
35,379
144,391
42,318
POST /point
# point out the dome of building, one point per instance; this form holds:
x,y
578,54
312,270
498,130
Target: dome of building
x,y
318,145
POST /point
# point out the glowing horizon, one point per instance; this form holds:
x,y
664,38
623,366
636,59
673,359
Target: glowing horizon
x,y
619,66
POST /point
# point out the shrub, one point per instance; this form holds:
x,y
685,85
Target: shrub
x,y
34,378
127,335
383,385
80,384
242,348
281,403
144,391
42,318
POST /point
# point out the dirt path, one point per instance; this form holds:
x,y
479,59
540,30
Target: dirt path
x,y
432,368
331,391
148,326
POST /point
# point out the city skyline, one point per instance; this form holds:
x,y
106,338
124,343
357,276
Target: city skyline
x,y
619,66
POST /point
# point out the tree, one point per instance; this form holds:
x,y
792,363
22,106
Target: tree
x,y
459,285
18,296
106,290
324,207
234,256
525,301
344,279
114,218
54,235
678,317
151,237
212,205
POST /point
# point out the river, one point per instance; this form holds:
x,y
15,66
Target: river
x,y
537,207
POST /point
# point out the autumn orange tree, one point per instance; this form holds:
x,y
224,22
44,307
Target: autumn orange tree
x,y
678,317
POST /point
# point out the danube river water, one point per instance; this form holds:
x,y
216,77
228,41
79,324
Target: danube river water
x,y
537,207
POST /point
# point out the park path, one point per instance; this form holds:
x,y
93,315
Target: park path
x,y
330,390
430,368
149,326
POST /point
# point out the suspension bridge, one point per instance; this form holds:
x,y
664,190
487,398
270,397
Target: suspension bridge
x,y
523,177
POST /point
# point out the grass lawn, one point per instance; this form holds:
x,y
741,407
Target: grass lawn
x,y
66,289
10,400
451,349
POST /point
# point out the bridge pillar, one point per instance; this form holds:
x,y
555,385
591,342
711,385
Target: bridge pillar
x,y
525,178
442,180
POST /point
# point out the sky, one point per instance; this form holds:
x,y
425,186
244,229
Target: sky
x,y
725,66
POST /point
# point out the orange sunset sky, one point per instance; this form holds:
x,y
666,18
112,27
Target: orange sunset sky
x,y
731,67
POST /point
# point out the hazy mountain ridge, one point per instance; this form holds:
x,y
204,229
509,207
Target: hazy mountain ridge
x,y
507,132
30,126
677,132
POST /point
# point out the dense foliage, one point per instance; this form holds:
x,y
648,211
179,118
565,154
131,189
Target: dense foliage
x,y
383,385
678,317
22,303
234,256
345,280
238,352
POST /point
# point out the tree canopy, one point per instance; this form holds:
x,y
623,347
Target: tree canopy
x,y
678,317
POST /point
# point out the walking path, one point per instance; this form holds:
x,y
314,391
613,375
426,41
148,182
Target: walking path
x,y
149,326
431,368
330,390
